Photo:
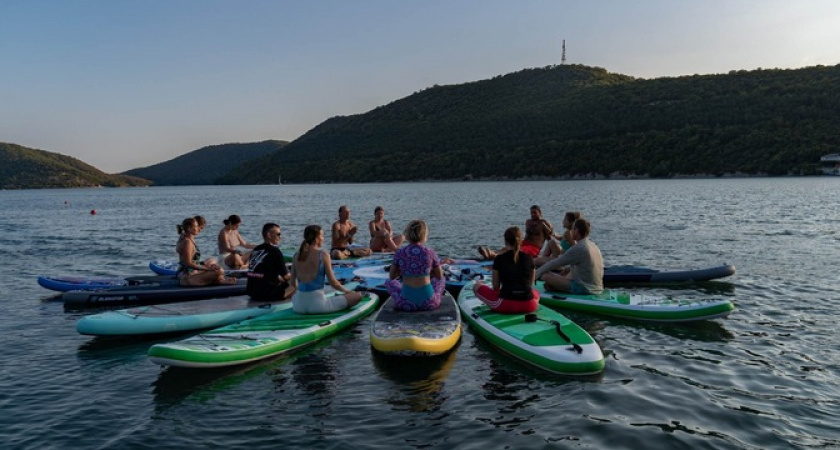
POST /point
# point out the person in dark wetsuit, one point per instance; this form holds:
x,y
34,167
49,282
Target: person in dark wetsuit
x,y
268,278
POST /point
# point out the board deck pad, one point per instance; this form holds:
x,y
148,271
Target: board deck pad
x,y
392,326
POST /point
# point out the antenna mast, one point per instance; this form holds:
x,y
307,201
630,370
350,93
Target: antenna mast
x,y
563,57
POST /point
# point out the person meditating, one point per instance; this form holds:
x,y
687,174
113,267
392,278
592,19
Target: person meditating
x,y
314,265
563,242
537,232
191,270
381,237
419,267
230,240
343,233
586,273
513,278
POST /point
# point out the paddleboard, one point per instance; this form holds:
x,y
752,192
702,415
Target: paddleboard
x,y
150,294
456,275
259,338
64,283
639,275
175,317
459,273
623,304
535,342
416,333
170,268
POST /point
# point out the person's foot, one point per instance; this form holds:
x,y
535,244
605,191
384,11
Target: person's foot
x,y
228,280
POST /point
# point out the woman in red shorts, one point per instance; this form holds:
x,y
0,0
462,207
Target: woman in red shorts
x,y
513,279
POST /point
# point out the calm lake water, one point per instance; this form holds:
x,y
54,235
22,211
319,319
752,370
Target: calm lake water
x,y
766,377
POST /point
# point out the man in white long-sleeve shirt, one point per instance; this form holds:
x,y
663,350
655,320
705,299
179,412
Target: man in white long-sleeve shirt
x,y
586,275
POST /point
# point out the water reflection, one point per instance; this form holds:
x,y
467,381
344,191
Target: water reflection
x,y
315,374
175,384
112,347
704,287
701,330
418,381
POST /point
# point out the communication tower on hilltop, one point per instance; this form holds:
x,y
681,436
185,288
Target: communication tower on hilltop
x,y
563,56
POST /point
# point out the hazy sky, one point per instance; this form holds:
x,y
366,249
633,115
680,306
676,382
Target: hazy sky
x,y
123,84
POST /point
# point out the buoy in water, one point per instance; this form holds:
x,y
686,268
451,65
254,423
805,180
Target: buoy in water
x,y
92,212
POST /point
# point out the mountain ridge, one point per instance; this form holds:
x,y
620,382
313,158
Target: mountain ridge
x,y
575,121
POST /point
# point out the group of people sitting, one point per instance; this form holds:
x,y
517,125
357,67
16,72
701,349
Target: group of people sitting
x,y
579,260
416,280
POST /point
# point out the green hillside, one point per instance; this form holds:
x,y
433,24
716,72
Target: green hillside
x,y
575,121
207,164
28,168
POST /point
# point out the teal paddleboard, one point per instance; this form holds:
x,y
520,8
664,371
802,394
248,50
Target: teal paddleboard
x,y
176,317
259,338
636,306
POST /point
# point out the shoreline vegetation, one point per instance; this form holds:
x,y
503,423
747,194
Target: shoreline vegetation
x,y
561,122
589,177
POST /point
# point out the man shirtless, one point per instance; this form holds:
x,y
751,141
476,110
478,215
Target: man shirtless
x,y
343,233
537,231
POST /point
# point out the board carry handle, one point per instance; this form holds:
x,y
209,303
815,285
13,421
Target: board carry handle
x,y
531,317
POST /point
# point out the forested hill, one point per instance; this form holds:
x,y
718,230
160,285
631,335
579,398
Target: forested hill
x,y
207,164
573,120
28,168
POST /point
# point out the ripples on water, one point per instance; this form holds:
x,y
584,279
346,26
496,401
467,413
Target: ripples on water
x,y
767,377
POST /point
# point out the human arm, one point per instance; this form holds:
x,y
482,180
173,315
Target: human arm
x,y
241,242
497,280
330,274
339,237
394,272
571,257
386,229
294,279
351,232
436,270
283,274
547,229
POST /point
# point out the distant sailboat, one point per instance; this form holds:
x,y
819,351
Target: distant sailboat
x,y
279,179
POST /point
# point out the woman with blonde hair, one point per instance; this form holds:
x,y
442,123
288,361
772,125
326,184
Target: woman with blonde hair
x,y
419,269
313,264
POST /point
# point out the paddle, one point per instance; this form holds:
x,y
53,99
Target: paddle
x,y
531,317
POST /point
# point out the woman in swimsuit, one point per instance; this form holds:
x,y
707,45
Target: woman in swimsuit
x,y
191,270
419,268
314,264
513,278
381,239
